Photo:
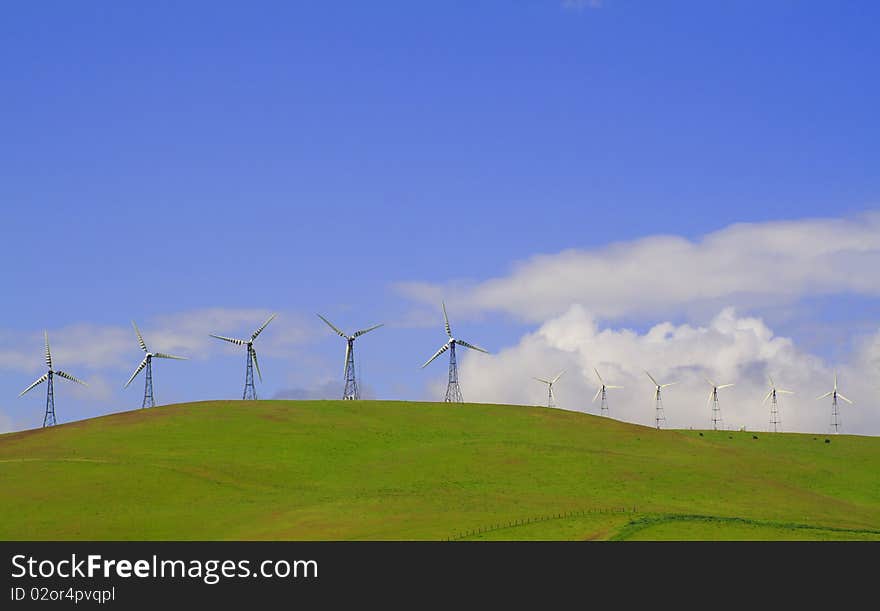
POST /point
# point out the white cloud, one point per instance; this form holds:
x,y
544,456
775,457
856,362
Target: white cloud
x,y
742,350
98,389
747,264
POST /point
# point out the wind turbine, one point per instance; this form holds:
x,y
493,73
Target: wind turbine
x,y
147,364
603,410
49,418
835,413
453,392
249,391
550,399
713,397
659,415
775,419
351,390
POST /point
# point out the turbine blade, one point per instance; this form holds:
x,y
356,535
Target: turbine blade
x,y
724,386
711,383
543,380
141,342
436,354
362,331
709,398
770,379
256,363
67,376
598,376
827,394
835,380
330,324
596,396
345,366
556,379
668,384
162,355
265,324
656,393
611,386
446,320
767,396
39,381
652,378
840,396
784,392
471,346
237,342
136,371
48,353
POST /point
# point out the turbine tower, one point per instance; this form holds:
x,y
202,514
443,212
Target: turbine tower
x,y
603,410
49,418
147,364
550,399
835,413
716,409
659,415
775,418
351,390
249,391
453,392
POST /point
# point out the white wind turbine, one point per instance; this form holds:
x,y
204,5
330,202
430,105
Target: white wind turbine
x,y
603,409
453,391
713,397
659,415
147,364
351,390
550,398
775,418
250,391
49,417
834,393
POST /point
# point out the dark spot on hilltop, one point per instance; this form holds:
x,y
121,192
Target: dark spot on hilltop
x,y
827,441
754,436
730,436
814,438
701,434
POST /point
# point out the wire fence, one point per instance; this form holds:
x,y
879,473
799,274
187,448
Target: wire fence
x,y
534,520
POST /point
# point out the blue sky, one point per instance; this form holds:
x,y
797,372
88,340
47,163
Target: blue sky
x,y
165,160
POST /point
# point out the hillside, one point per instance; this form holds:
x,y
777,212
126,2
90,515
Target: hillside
x,y
395,470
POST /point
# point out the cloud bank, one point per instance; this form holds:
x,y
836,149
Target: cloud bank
x,y
746,264
732,348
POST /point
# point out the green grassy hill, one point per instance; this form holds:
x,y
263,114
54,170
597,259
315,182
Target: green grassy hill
x,y
394,470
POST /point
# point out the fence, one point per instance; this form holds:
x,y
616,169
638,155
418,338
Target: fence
x,y
535,520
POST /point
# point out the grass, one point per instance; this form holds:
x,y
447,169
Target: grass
x,y
394,470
